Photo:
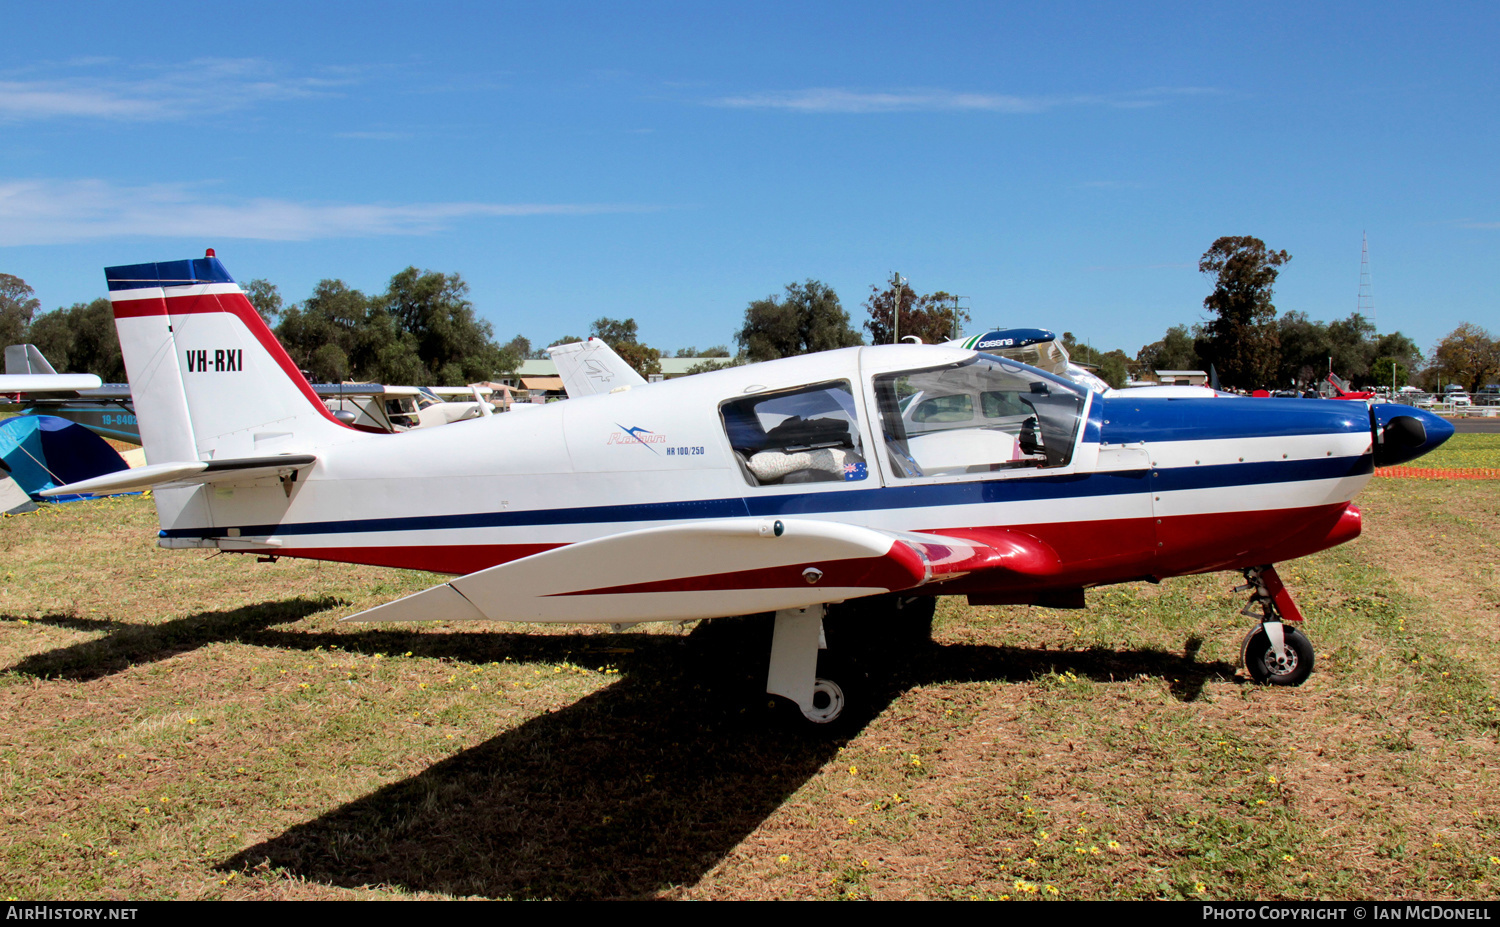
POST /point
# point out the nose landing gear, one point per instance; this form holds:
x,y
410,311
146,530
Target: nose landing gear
x,y
1273,653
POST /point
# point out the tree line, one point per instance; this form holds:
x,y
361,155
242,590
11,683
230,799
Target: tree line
x,y
1251,347
423,330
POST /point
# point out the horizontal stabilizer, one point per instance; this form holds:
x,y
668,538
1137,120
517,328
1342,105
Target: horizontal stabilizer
x,y
700,570
48,382
187,472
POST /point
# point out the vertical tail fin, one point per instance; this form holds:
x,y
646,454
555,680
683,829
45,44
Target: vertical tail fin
x,y
591,367
207,376
24,360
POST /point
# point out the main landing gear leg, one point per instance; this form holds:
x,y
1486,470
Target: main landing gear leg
x,y
1274,654
794,665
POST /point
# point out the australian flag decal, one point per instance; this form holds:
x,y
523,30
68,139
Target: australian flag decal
x,y
855,471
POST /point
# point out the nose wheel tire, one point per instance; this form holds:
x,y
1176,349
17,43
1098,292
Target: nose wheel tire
x,y
827,702
1292,669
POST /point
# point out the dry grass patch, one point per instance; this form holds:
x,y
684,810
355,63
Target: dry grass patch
x,y
179,725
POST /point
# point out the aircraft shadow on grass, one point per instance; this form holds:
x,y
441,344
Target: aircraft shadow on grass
x,y
643,785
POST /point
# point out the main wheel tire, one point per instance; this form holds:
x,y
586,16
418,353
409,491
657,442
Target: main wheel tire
x,y
828,702
1263,666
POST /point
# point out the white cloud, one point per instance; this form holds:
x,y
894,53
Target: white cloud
x,y
154,93
839,100
34,212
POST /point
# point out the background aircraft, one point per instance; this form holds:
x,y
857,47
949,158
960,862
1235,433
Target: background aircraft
x,y
785,486
108,410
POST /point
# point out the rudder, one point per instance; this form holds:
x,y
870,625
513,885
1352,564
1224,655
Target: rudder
x,y
207,376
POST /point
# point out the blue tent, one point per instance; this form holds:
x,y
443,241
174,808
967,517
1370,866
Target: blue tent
x,y
43,451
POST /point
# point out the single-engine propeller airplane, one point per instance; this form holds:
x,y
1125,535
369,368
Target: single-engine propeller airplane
x,y
780,487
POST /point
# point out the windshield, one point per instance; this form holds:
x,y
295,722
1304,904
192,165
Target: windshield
x,y
977,416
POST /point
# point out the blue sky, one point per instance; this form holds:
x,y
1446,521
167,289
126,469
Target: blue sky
x,y
1061,166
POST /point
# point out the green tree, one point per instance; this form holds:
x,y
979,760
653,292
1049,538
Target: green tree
x,y
266,299
807,318
1389,371
1469,355
1400,347
327,335
1241,339
934,318
1305,347
81,339
1353,347
621,337
540,353
455,345
614,332
520,346
718,350
1175,351
18,304
1114,368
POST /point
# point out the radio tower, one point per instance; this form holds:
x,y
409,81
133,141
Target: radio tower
x,y
1366,304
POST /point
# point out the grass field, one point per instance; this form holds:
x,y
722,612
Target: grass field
x,y
1472,450
179,725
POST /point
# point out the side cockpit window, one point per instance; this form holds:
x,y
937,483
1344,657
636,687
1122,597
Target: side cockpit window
x,y
806,435
977,416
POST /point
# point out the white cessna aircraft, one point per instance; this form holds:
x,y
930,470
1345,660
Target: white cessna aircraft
x,y
782,486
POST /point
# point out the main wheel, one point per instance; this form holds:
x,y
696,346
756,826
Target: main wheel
x,y
1294,667
828,702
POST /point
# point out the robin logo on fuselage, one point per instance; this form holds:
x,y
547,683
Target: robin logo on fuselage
x,y
227,361
636,435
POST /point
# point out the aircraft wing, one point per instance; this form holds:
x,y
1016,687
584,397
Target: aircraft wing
x,y
591,367
186,473
708,569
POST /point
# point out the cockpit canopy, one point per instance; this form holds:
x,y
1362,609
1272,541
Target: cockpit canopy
x,y
975,415
982,414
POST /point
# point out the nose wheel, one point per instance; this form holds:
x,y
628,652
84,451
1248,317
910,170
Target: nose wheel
x,y
1291,667
1274,653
